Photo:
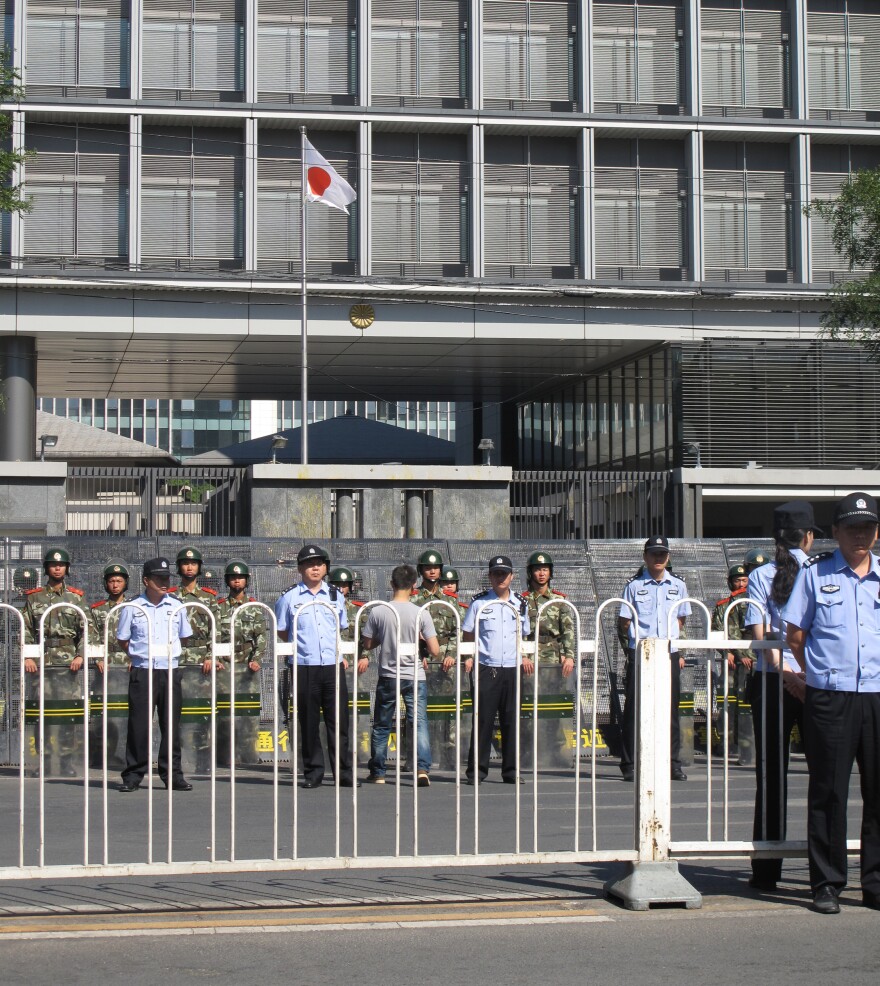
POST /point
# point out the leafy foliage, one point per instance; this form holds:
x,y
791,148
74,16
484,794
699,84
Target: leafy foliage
x,y
11,197
854,218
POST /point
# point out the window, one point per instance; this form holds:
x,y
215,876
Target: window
x,y
74,44
79,185
332,244
528,53
844,59
419,52
637,57
307,51
191,198
420,194
193,46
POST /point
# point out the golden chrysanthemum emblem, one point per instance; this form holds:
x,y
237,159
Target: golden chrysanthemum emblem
x,y
362,316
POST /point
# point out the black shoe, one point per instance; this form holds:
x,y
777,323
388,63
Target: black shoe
x,y
513,780
126,787
67,770
181,784
762,884
628,775
825,901
350,783
677,774
309,785
871,900
471,782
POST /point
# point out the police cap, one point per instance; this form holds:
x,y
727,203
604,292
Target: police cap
x,y
157,566
656,543
341,576
310,552
500,563
237,569
115,567
856,508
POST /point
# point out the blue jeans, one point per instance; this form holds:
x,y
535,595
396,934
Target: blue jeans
x,y
383,720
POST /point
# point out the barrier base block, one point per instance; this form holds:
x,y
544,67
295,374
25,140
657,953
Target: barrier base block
x,y
645,884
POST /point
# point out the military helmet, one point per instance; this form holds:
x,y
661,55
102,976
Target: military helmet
x,y
449,575
189,553
115,567
736,572
25,578
56,556
236,569
430,559
755,559
537,558
341,576
310,552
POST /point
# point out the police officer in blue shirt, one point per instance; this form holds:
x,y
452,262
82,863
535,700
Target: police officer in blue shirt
x,y
833,617
651,594
165,625
317,665
500,611
776,699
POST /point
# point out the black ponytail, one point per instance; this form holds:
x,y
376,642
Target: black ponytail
x,y
787,566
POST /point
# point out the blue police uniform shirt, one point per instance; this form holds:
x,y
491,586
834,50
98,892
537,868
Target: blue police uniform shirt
x,y
652,601
760,589
840,613
169,624
497,627
316,628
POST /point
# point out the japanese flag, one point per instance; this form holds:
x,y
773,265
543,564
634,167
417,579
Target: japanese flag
x,y
324,183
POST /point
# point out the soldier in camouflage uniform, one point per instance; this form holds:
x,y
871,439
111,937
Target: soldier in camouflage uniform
x,y
441,673
115,577
343,579
557,644
197,650
63,649
251,645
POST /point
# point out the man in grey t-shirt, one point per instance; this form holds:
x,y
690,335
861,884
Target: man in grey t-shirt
x,y
380,633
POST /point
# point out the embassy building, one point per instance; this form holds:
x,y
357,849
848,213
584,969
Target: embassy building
x,y
582,222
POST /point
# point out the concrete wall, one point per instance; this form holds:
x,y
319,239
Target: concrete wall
x,y
466,502
32,498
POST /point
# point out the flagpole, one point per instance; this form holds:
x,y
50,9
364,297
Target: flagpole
x,y
304,333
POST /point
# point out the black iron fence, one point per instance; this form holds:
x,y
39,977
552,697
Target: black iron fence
x,y
585,505
135,501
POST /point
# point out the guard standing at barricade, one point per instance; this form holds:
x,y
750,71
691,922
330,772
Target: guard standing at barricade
x,y
115,576
736,664
157,627
343,580
770,586
500,612
197,649
651,595
23,580
833,620
62,648
318,666
557,643
251,645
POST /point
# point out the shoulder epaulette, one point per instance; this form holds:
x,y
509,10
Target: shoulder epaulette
x,y
76,592
723,602
204,588
30,592
820,557
174,588
463,605
251,599
414,592
638,575
480,595
101,602
355,602
556,592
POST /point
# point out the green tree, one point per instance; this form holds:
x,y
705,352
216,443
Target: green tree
x,y
854,218
11,198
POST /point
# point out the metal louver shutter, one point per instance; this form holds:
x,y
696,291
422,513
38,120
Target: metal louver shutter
x,y
49,228
864,61
616,217
304,46
659,71
526,50
100,203
103,43
416,48
744,58
215,199
167,44
827,61
765,58
826,260
217,46
51,42
614,53
166,208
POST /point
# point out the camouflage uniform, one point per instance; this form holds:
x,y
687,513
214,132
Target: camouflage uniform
x,y
556,641
194,652
740,676
442,682
63,642
116,657
251,647
351,612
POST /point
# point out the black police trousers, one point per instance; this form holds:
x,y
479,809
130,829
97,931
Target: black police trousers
x,y
140,711
628,738
497,696
316,694
840,727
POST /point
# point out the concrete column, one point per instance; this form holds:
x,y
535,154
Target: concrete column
x,y
694,152
250,194
587,232
799,59
136,60
135,143
415,514
800,222
693,94
18,416
345,527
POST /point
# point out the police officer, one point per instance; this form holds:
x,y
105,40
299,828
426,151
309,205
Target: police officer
x,y
833,629
651,595
251,645
197,650
62,647
770,587
499,612
115,576
317,663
